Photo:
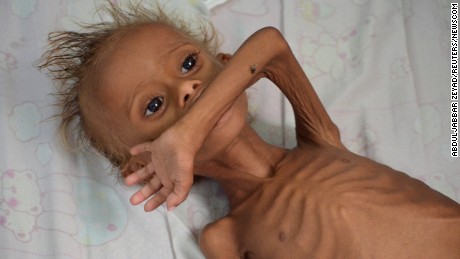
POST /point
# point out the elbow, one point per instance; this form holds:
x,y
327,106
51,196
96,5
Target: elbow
x,y
271,33
274,39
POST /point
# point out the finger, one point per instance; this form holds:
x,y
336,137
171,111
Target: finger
x,y
140,175
157,200
132,179
179,195
140,148
147,191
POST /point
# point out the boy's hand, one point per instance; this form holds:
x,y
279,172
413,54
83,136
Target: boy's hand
x,y
169,175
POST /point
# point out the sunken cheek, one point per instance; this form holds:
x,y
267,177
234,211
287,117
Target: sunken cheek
x,y
153,129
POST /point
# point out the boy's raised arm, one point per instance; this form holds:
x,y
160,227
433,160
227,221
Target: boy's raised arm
x,y
264,54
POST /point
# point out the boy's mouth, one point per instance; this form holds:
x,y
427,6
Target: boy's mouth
x,y
195,98
225,117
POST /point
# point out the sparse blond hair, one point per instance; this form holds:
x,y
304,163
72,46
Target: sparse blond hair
x,y
72,56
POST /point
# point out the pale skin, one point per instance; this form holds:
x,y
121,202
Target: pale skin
x,y
318,200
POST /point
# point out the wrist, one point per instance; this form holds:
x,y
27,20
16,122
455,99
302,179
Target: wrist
x,y
190,134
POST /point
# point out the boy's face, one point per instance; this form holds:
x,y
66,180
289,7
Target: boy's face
x,y
149,78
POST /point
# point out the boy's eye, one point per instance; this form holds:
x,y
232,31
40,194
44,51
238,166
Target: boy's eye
x,y
188,64
153,106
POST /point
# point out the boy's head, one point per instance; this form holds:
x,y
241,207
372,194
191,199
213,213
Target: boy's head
x,y
90,70
123,83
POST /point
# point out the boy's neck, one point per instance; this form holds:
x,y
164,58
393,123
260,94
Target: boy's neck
x,y
243,165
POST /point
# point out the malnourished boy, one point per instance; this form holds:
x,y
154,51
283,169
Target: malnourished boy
x,y
161,105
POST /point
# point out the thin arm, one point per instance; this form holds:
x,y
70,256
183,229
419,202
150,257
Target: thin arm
x,y
264,54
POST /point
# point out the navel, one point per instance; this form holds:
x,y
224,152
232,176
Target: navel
x,y
282,236
248,255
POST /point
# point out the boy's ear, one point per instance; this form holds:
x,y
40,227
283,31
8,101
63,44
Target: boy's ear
x,y
224,57
134,163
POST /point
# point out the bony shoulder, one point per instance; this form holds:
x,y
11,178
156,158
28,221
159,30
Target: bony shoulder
x,y
217,240
215,230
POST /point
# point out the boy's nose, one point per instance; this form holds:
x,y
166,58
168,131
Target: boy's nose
x,y
188,91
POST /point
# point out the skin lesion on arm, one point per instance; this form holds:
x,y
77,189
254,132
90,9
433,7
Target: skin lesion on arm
x,y
253,69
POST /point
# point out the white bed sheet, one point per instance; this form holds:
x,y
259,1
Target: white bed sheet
x,y
380,67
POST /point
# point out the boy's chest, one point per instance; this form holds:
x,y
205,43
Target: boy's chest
x,y
290,216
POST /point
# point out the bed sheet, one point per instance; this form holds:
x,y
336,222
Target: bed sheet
x,y
380,67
